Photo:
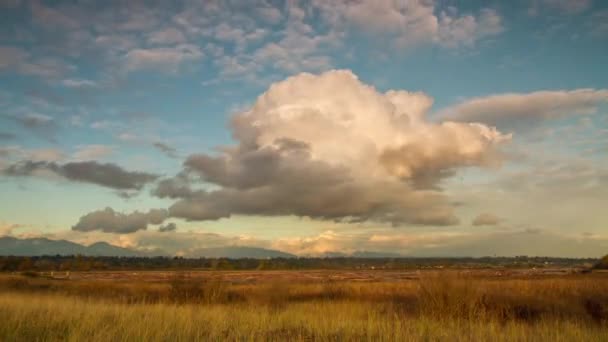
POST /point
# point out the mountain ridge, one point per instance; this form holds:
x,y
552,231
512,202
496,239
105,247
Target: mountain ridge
x,y
44,246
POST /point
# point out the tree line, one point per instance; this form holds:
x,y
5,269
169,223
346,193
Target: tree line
x,y
99,263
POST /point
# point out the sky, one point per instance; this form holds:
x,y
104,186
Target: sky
x,y
423,127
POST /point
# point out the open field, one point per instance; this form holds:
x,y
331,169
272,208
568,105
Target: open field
x,y
245,277
305,305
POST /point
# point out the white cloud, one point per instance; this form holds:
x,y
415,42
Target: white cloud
x,y
92,152
36,154
409,23
269,14
466,30
78,83
164,59
167,36
328,146
45,154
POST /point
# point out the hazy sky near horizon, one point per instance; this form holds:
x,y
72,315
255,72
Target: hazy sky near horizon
x,y
424,127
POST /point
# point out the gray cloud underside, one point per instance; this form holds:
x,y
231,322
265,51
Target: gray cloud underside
x,y
109,221
107,175
279,182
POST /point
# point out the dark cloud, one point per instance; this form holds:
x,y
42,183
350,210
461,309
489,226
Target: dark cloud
x,y
174,188
108,175
7,136
109,221
41,125
169,227
283,179
169,151
126,194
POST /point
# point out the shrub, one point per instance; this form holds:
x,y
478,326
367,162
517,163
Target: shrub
x,y
184,289
450,295
603,263
30,274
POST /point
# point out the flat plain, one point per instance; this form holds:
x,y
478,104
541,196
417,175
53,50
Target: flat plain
x,y
558,304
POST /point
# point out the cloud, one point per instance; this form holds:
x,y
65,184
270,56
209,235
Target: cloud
x,y
7,229
564,6
107,175
92,152
168,36
78,83
269,14
330,147
598,23
7,136
39,124
50,17
486,219
41,154
45,154
410,23
11,56
15,59
512,109
466,30
109,221
35,120
44,67
167,59
169,151
169,227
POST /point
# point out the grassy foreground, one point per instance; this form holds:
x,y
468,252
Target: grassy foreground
x,y
436,308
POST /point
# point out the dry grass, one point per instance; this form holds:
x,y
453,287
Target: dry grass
x,y
441,306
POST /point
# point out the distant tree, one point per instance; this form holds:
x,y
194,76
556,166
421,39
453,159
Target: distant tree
x,y
603,263
26,264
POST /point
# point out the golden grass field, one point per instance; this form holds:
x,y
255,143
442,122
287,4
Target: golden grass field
x,y
442,305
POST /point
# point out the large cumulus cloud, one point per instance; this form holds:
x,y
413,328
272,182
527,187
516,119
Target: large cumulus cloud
x,y
331,147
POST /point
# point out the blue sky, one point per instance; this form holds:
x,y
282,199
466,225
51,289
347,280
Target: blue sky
x,y
104,103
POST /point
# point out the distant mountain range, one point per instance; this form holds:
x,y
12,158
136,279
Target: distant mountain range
x,y
43,246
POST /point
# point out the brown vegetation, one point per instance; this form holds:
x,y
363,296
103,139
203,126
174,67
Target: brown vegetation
x,y
437,293
457,299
